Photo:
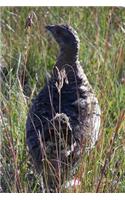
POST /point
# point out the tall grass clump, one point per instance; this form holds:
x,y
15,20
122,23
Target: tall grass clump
x,y
26,56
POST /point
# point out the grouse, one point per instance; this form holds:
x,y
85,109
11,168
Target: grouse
x,y
64,119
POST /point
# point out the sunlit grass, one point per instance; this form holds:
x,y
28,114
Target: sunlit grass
x,y
26,55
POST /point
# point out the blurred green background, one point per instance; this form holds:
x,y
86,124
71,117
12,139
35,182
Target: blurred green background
x,y
26,56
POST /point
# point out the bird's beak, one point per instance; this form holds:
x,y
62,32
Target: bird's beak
x,y
50,28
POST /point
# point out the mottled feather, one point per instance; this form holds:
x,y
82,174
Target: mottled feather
x,y
64,119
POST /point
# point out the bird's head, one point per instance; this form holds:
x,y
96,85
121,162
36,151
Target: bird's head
x,y
65,36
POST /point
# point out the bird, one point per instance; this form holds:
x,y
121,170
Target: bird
x,y
63,121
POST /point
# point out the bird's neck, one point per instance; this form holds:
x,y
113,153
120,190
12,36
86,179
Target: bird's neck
x,y
67,57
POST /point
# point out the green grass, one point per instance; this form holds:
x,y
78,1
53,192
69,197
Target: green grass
x,y
26,55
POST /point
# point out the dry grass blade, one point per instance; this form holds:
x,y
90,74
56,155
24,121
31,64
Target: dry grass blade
x,y
109,153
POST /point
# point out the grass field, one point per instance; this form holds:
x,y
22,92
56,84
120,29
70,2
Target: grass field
x,y
26,55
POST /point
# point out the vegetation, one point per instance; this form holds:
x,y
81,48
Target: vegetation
x,y
27,54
